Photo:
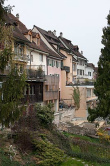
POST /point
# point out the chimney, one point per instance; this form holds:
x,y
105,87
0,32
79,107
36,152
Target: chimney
x,y
49,32
17,16
82,52
61,34
54,32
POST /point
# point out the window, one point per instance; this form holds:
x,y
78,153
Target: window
x,y
78,71
54,63
40,89
57,64
41,57
46,88
89,73
83,72
18,49
50,62
29,90
32,89
21,68
74,67
93,93
88,92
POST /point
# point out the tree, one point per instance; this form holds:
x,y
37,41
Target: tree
x,y
102,84
10,102
45,113
76,97
13,84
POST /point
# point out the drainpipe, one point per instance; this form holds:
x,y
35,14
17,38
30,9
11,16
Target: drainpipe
x,y
30,58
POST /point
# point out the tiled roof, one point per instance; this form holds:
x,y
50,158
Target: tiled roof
x,y
52,39
91,65
72,48
17,33
21,29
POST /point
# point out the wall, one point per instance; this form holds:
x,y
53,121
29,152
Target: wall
x,y
51,91
55,70
64,115
68,62
89,69
36,60
66,92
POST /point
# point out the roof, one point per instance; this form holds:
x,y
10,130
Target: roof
x,y
20,29
73,48
91,65
17,32
52,39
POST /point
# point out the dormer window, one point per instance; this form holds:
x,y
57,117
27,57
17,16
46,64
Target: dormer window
x,y
38,39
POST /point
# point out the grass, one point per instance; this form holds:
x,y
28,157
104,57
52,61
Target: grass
x,y
71,162
89,149
86,138
5,159
76,162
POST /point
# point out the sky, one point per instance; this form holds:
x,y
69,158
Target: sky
x,y
81,21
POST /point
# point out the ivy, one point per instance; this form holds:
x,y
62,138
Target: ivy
x,y
76,97
10,102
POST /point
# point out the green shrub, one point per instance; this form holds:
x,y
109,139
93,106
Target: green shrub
x,y
45,113
47,153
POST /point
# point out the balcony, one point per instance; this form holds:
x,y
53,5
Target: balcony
x,y
32,98
66,68
21,57
81,83
36,72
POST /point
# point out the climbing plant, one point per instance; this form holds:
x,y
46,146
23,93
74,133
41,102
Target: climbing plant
x,y
13,83
76,97
10,100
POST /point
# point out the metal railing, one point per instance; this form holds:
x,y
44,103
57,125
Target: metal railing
x,y
66,68
35,71
21,57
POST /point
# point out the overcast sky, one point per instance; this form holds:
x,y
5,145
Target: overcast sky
x,y
81,21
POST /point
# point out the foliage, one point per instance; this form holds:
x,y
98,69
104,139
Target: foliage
x,y
71,162
39,71
1,10
12,92
5,160
80,137
76,97
48,153
5,39
103,136
102,84
90,151
13,84
45,113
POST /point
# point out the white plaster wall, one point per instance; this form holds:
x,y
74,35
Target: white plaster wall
x,y
36,59
89,69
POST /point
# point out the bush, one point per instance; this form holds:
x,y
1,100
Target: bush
x,y
47,153
45,113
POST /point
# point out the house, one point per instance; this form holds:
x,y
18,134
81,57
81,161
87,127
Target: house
x,y
81,77
30,56
55,57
